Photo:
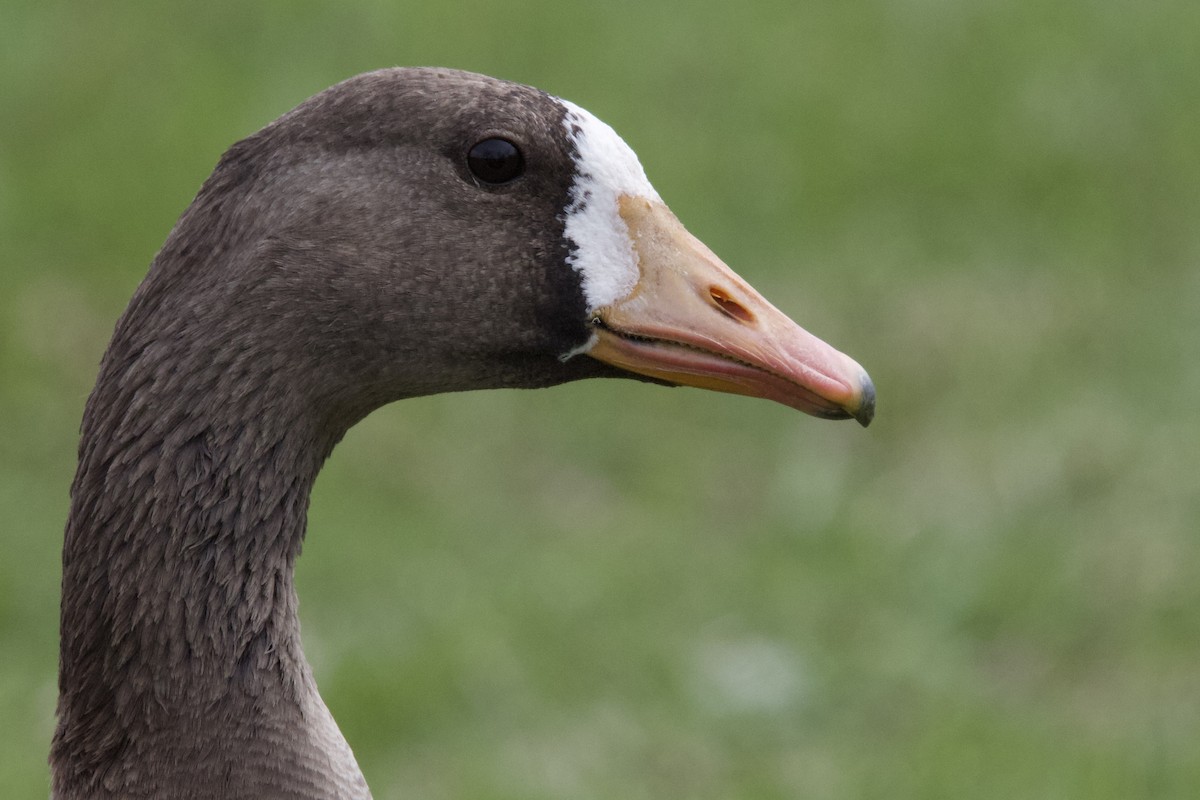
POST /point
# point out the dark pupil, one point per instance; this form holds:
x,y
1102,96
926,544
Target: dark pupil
x,y
495,161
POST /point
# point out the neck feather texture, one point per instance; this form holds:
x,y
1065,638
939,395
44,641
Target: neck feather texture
x,y
181,670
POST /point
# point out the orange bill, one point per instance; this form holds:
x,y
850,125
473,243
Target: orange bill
x,y
692,321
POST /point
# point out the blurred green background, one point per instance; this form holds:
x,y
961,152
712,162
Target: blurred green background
x,y
611,590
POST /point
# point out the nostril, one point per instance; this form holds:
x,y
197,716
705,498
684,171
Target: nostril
x,y
728,306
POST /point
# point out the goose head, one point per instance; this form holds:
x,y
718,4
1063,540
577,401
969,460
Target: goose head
x,y
419,231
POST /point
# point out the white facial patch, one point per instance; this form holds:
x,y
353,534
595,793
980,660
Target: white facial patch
x,y
605,169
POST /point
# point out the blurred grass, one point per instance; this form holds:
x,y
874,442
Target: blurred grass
x,y
613,590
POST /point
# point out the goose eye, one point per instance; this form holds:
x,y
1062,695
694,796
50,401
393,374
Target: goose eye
x,y
495,161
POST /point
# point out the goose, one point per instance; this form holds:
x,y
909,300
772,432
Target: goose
x,y
406,232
